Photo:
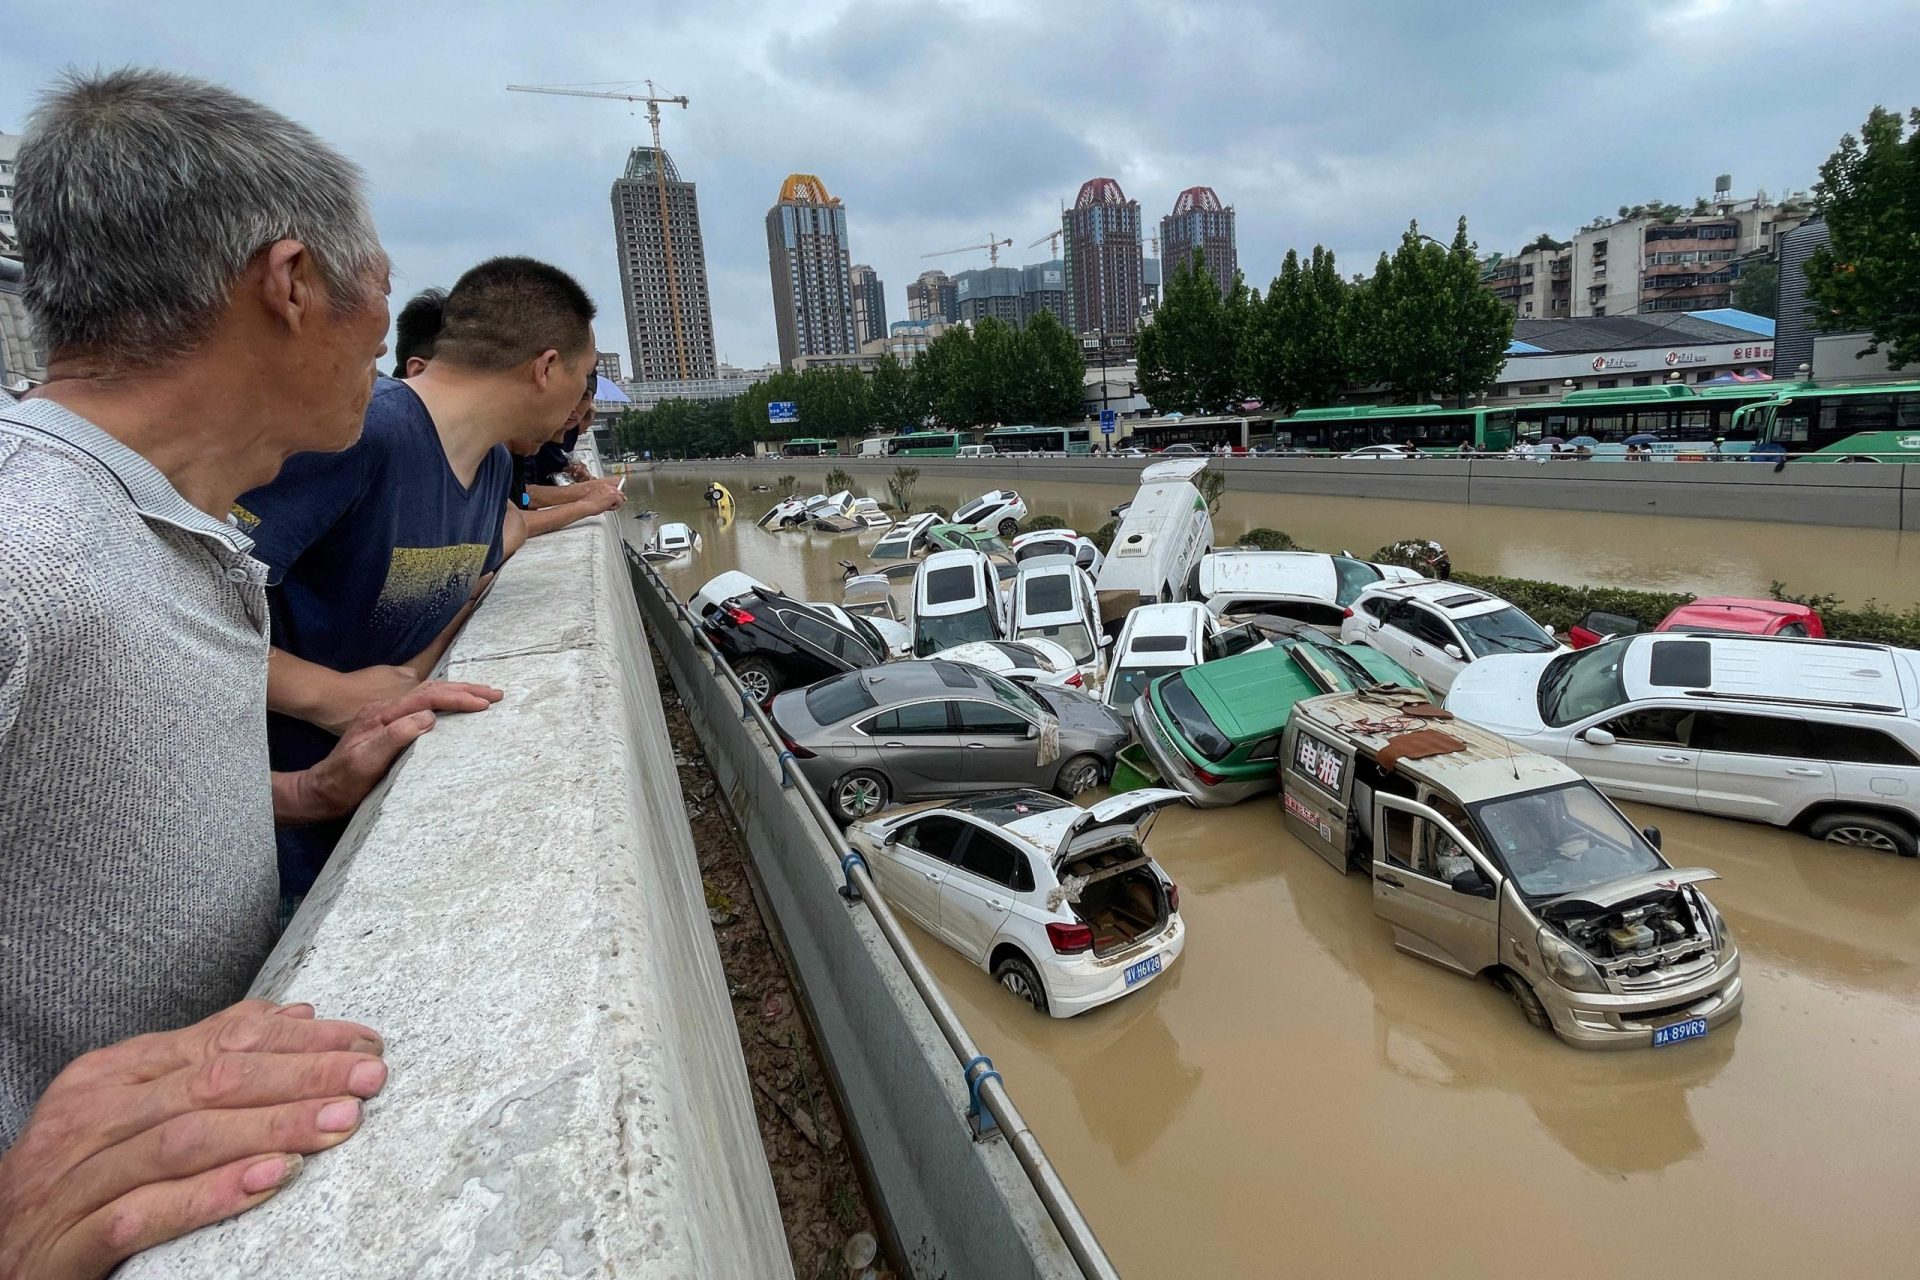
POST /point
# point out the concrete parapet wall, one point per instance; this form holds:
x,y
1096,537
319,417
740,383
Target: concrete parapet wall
x,y
1865,496
519,911
955,1207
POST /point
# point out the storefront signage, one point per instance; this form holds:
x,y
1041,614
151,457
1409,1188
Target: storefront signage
x,y
1685,357
1603,363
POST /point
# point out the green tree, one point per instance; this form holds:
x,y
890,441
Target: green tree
x,y
1054,373
1293,348
1426,326
890,400
1867,277
1188,354
944,379
1758,288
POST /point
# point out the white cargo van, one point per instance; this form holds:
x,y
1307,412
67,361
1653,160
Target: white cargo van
x,y
1155,556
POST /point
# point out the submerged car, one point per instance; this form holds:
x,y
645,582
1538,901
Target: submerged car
x,y
1309,586
1731,615
1062,905
996,511
956,599
1502,863
1822,736
1159,639
924,730
773,642
1214,730
1026,661
907,538
1434,629
1054,601
1075,548
674,539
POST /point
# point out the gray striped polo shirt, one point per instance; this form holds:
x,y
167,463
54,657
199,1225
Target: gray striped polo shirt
x,y
137,883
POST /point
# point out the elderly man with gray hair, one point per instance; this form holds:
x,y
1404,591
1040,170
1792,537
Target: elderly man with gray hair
x,y
207,280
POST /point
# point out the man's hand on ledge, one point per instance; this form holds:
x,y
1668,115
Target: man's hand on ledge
x,y
148,1139
336,786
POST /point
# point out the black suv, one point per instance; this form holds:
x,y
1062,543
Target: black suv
x,y
773,642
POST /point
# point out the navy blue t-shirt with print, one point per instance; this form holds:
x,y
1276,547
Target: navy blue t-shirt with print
x,y
370,553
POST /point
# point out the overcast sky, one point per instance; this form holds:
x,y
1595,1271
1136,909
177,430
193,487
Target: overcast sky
x,y
1328,121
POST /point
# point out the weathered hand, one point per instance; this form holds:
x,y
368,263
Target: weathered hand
x,y
601,497
151,1138
577,472
368,748
353,692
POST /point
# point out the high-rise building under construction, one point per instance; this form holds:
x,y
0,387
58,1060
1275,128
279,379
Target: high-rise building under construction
x,y
663,271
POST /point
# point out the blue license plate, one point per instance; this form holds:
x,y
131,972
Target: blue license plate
x,y
1138,973
1675,1032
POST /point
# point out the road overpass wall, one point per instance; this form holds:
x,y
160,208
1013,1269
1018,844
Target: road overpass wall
x,y
518,909
1863,496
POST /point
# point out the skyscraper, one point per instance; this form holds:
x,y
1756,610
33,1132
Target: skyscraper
x,y
812,271
663,271
1200,221
1045,287
1102,234
869,304
990,291
933,297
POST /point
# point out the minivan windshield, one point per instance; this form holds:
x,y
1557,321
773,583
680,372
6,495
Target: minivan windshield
x,y
1353,577
1563,840
1583,683
932,634
1195,725
1504,631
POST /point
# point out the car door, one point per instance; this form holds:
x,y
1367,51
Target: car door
x,y
917,862
1758,766
919,749
976,896
1392,633
1651,757
816,645
1000,746
1870,766
1414,845
1427,656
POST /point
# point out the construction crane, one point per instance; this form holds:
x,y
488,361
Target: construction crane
x,y
1051,240
653,101
992,246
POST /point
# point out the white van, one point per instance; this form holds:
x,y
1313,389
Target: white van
x,y
976,451
1155,556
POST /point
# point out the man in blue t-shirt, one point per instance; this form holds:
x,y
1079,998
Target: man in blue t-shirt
x,y
373,553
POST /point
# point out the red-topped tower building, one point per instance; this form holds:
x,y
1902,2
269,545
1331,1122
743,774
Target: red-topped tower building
x,y
1199,221
1102,235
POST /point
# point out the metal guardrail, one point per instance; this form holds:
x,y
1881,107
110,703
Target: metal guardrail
x,y
985,1088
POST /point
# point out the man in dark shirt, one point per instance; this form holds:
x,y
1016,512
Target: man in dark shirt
x,y
373,553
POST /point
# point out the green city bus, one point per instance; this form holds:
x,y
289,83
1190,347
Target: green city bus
x,y
1039,440
1430,428
1806,423
927,444
1682,420
811,447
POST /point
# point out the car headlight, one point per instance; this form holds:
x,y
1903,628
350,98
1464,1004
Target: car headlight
x,y
1716,925
1568,965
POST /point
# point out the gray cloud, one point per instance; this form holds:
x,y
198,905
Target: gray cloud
x,y
1321,121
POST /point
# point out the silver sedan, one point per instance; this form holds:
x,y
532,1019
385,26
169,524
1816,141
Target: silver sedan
x,y
924,730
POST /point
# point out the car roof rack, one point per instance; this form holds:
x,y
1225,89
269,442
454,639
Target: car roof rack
x,y
1780,699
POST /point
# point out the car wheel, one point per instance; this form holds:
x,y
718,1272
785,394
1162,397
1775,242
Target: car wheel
x,y
1866,831
1017,976
1530,1007
761,677
1082,773
859,794
1009,527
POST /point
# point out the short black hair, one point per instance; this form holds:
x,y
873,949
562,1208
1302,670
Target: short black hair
x,y
418,328
506,311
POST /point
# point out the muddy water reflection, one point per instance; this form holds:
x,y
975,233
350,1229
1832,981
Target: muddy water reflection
x,y
1295,1097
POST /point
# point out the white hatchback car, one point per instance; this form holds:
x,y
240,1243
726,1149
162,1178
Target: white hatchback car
x,y
997,511
1818,735
1433,629
1044,543
1159,638
1053,601
1307,586
1060,904
956,599
1025,661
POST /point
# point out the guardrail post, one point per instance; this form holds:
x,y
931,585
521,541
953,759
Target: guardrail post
x,y
979,1119
848,860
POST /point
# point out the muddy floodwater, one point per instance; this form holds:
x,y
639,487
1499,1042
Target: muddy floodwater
x,y
1296,1098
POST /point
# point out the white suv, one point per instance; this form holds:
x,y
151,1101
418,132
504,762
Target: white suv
x,y
1818,735
1433,629
997,511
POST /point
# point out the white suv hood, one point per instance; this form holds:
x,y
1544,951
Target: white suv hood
x,y
1501,693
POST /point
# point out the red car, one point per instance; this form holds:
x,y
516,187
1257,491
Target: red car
x,y
1729,614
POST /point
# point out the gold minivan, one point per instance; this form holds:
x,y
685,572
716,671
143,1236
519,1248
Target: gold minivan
x,y
1494,861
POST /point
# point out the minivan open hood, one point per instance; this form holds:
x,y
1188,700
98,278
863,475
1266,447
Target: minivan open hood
x,y
1614,892
1172,469
1134,807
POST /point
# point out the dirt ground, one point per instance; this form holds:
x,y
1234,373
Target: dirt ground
x,y
829,1224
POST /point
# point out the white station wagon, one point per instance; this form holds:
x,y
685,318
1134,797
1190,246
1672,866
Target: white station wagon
x,y
1060,904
